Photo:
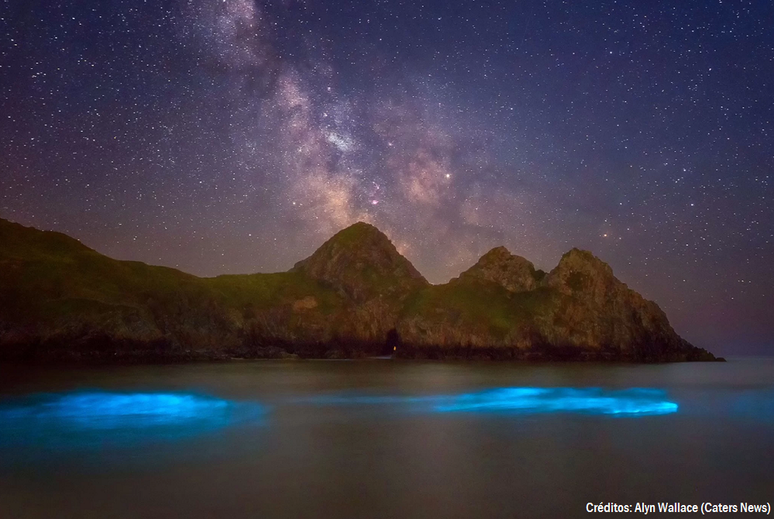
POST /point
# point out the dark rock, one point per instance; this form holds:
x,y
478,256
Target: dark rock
x,y
513,273
362,263
355,296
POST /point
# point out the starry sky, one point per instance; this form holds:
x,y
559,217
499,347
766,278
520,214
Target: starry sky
x,y
235,136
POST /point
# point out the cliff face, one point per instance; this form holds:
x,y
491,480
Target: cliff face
x,y
578,311
372,278
513,273
600,312
354,296
361,263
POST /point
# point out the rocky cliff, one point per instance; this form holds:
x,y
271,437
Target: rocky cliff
x,y
354,296
513,273
361,263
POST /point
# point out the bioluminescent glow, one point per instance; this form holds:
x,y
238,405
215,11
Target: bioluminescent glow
x,y
83,418
629,402
109,410
525,400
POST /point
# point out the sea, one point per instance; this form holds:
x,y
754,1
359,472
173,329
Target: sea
x,y
383,438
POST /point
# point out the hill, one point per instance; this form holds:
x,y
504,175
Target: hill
x,y
355,296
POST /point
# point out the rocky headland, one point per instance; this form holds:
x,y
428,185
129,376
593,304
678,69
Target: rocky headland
x,y
356,296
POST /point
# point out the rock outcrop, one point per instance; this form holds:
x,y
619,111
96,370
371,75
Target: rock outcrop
x,y
354,296
601,313
362,263
513,273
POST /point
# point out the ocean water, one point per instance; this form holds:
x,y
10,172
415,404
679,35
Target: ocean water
x,y
381,438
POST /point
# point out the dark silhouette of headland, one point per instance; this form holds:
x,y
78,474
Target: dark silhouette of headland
x,y
356,296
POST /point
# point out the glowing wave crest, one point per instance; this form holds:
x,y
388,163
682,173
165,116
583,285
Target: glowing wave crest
x,y
629,402
106,417
525,400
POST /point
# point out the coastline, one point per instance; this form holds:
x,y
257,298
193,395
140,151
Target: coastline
x,y
109,353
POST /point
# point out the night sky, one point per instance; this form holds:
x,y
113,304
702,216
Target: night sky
x,y
235,136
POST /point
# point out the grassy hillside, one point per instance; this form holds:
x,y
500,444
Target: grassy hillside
x,y
57,293
356,295
486,307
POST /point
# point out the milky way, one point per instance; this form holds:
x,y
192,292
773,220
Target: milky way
x,y
235,136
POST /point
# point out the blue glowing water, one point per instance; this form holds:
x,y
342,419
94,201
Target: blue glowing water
x,y
414,439
526,400
96,418
110,410
86,418
628,402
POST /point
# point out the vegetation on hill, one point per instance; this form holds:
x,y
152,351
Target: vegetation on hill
x,y
355,296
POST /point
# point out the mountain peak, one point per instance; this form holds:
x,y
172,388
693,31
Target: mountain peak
x,y
362,262
361,233
514,273
579,259
497,253
576,255
579,271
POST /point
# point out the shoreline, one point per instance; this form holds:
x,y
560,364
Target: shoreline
x,y
421,354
